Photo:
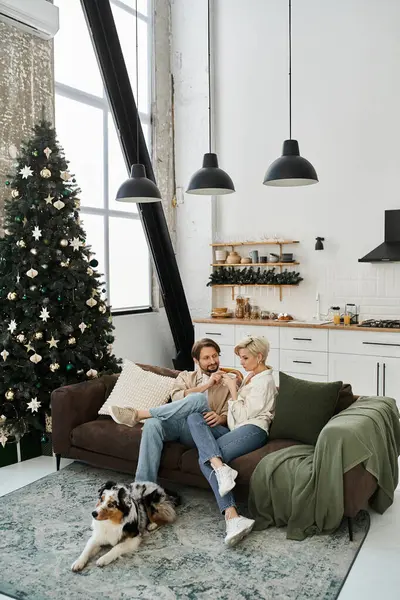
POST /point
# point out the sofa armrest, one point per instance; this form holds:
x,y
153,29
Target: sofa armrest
x,y
73,405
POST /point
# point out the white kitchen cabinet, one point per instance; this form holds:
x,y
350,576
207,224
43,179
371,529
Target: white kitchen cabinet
x,y
390,378
364,373
222,334
304,361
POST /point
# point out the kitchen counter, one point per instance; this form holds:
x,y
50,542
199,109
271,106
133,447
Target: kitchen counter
x,y
307,325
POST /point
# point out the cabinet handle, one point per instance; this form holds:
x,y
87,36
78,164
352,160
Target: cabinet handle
x,y
384,379
380,344
302,339
212,333
377,378
303,362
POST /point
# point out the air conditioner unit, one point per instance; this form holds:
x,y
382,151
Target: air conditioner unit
x,y
38,17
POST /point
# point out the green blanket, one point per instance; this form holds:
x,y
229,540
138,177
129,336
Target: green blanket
x,y
302,486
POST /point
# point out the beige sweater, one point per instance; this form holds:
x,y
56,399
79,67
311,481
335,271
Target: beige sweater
x,y
255,403
217,395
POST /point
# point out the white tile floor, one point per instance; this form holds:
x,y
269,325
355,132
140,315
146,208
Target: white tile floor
x,y
375,573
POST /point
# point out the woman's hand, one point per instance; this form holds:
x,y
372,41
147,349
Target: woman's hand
x,y
230,383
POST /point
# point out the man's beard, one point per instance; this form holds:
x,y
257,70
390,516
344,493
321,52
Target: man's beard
x,y
210,370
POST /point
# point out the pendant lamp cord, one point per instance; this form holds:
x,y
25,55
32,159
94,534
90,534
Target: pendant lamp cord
x,y
209,71
137,85
290,69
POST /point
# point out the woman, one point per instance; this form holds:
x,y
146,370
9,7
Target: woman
x,y
250,412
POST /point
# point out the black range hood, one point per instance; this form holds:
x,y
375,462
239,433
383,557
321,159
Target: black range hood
x,y
389,251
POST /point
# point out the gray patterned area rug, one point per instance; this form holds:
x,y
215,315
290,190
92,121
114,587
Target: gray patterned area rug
x,y
45,525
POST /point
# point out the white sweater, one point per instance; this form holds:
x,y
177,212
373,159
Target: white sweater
x,y
255,403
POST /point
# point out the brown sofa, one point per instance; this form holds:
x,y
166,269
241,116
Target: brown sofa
x,y
80,433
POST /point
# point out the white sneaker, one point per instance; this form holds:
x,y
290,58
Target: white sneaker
x,y
226,479
237,529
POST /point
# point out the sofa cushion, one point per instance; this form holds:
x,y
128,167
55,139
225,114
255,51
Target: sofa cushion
x,y
103,436
346,398
303,408
138,388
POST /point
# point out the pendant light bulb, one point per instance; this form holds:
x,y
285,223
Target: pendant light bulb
x,y
290,169
210,180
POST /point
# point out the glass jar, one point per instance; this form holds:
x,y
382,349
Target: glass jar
x,y
255,312
264,314
239,309
247,308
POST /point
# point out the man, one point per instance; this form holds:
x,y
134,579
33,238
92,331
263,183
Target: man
x,y
194,391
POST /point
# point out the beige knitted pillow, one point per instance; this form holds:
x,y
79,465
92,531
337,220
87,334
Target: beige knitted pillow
x,y
139,389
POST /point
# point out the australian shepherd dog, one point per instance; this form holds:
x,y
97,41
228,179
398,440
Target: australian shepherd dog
x,y
123,514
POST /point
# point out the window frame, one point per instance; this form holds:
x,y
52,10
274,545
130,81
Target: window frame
x,y
101,103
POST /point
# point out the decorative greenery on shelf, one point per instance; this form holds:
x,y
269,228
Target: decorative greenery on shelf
x,y
249,276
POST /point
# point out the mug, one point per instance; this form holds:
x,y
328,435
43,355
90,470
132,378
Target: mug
x,y
263,259
254,256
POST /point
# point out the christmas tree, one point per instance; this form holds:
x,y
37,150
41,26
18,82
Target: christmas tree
x,y
56,327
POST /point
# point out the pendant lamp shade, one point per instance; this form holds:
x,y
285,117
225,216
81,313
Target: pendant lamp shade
x,y
210,180
138,188
290,169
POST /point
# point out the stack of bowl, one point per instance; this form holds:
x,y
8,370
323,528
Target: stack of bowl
x,y
220,313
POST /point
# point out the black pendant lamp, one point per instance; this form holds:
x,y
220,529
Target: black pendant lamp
x,y
210,180
138,188
290,169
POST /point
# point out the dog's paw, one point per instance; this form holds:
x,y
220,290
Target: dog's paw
x,y
78,565
104,560
152,526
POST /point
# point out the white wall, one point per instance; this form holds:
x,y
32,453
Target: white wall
x,y
144,338
346,97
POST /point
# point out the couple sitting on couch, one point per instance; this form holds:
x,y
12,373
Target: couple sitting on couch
x,y
210,412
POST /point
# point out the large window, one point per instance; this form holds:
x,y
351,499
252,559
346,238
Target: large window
x,y
86,130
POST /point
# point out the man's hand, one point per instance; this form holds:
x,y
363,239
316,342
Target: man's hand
x,y
212,419
215,379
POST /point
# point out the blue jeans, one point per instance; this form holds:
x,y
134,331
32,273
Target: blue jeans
x,y
168,424
220,442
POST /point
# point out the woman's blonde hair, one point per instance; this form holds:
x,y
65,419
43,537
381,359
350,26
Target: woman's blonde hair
x,y
255,344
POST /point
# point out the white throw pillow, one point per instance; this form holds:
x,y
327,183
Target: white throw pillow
x,y
139,389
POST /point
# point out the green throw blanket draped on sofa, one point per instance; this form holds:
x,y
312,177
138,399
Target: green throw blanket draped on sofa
x,y
302,486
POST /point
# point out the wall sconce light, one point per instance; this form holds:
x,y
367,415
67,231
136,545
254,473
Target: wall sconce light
x,y
319,245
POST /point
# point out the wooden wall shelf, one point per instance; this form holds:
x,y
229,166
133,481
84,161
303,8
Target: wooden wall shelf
x,y
270,264
267,265
261,243
267,285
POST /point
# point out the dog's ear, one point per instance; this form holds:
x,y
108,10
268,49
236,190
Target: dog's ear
x,y
122,496
153,498
107,486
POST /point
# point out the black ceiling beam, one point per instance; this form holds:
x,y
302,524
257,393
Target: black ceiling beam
x,y
106,43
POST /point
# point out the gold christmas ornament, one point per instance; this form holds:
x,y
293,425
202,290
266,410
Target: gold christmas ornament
x,y
32,273
71,341
33,251
65,176
59,204
20,338
102,309
11,296
9,395
45,173
4,354
54,367
89,271
3,419
35,358
91,302
77,203
21,244
64,264
92,373
38,335
14,193
64,243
